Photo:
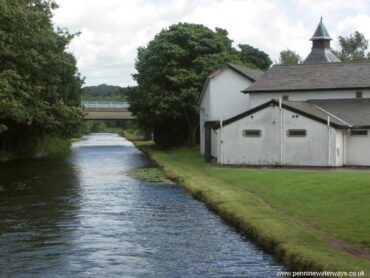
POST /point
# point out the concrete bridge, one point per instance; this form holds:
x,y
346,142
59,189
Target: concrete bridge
x,y
106,110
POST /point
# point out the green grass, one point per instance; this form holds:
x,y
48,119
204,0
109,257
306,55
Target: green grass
x,y
316,220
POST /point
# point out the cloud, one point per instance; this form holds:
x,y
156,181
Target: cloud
x,y
112,30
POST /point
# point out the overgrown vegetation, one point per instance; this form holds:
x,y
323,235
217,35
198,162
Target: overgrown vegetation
x,y
312,220
39,82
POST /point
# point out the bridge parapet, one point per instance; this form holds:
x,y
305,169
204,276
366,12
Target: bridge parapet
x,y
106,110
104,105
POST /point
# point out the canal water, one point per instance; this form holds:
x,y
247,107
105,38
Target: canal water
x,y
82,216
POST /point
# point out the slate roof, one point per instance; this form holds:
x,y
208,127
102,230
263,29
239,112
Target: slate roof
x,y
250,74
318,77
321,55
355,112
343,113
321,33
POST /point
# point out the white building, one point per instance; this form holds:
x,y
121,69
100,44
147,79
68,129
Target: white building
x,y
291,133
221,97
314,114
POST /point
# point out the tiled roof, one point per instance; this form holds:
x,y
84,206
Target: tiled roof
x,y
355,112
315,77
321,55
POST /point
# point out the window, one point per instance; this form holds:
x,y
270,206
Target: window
x,y
358,132
285,97
252,133
296,132
359,94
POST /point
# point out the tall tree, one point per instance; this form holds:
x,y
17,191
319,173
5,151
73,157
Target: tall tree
x,y
171,70
251,55
39,83
353,48
289,57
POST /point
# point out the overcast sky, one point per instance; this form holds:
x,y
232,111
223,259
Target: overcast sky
x,y
112,30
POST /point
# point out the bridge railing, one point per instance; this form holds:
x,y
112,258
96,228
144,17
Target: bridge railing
x,y
104,105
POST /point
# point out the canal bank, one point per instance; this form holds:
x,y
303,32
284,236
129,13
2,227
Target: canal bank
x,y
310,220
82,215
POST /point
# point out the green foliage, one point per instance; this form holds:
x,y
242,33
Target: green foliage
x,y
103,92
353,48
289,57
50,145
171,71
253,56
39,83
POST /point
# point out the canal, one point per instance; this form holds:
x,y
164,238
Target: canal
x,y
82,216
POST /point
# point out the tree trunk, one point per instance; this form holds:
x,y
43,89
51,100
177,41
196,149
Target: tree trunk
x,y
193,123
192,136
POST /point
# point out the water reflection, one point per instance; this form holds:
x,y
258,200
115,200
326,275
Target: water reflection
x,y
81,216
37,210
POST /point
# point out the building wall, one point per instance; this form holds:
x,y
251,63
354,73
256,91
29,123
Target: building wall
x,y
214,143
204,115
311,150
223,99
358,150
269,149
264,150
227,100
340,147
257,99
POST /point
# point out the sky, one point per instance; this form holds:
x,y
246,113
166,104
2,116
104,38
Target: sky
x,y
112,30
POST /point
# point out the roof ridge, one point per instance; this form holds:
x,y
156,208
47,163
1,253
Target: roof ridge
x,y
324,64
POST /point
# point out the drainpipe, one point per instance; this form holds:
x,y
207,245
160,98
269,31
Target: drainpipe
x,y
329,143
221,152
345,134
281,131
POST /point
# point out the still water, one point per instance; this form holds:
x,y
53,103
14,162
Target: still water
x,y
82,216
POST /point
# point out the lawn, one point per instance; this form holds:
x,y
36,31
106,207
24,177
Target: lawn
x,y
311,219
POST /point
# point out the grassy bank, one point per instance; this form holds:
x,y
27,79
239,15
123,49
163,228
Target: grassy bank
x,y
312,220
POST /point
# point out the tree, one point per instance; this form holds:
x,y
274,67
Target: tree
x,y
171,71
250,55
353,48
39,83
289,57
103,92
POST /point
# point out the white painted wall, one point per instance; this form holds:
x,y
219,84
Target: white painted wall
x,y
204,116
223,99
311,150
339,147
264,150
358,150
257,99
227,100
